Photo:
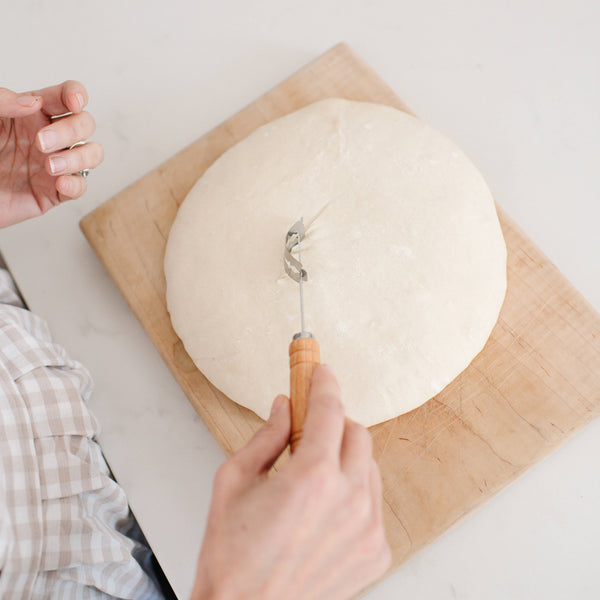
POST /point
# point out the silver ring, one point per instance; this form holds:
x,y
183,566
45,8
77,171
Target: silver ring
x,y
84,172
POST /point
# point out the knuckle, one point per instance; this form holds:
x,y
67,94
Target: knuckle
x,y
74,130
373,543
90,122
99,153
320,471
332,402
73,186
318,480
268,430
79,186
228,473
82,187
93,155
76,161
80,126
86,124
359,504
290,485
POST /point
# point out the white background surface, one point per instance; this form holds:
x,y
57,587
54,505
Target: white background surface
x,y
515,84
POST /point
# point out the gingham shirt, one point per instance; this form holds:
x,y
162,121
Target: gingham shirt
x,y
59,508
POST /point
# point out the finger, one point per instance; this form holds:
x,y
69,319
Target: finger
x,y
70,187
357,451
18,105
261,452
70,96
65,132
324,425
87,156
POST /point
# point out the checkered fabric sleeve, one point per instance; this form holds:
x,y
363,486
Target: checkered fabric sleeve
x,y
59,508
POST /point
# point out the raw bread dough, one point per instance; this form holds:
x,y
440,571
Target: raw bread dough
x,y
405,256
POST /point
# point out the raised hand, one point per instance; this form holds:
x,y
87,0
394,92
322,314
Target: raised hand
x,y
37,169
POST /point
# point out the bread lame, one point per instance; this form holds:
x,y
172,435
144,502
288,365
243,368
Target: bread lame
x,y
304,348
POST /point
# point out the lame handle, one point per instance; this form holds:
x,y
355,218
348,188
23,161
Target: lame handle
x,y
304,357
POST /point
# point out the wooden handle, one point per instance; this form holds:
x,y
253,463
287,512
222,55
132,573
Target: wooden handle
x,y
304,357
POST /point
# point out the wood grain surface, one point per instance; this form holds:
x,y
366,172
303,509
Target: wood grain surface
x,y
305,356
535,383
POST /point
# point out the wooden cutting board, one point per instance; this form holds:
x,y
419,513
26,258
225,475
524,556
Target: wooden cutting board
x,y
535,383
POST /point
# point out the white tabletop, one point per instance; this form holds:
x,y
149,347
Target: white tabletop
x,y
515,84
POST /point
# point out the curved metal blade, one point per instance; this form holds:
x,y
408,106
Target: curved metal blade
x,y
293,267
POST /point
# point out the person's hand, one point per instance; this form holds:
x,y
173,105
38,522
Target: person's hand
x,y
36,167
312,530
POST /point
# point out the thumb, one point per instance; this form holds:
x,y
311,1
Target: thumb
x,y
261,452
18,105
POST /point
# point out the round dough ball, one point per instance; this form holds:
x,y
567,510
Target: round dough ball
x,y
405,257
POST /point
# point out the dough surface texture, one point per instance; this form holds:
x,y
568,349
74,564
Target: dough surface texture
x,y
405,257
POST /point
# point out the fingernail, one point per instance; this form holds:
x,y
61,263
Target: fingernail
x,y
28,101
48,139
277,404
80,100
58,164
